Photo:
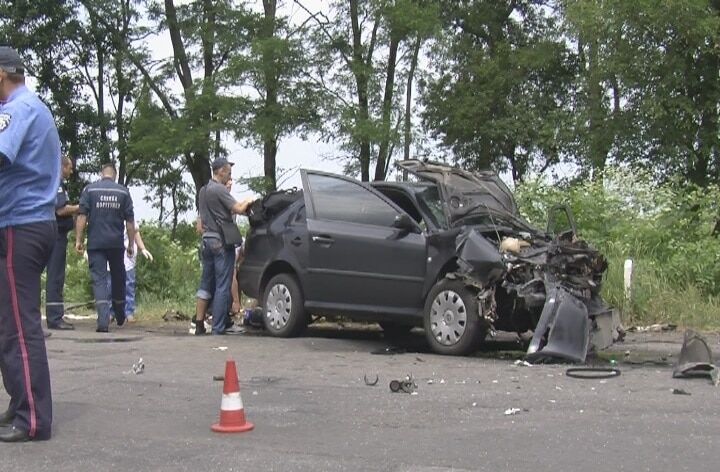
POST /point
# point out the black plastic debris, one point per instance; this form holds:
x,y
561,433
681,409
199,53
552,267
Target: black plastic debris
x,y
679,391
371,383
407,385
592,373
695,359
389,351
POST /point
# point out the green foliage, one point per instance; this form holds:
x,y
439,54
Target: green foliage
x,y
666,229
499,91
171,278
175,272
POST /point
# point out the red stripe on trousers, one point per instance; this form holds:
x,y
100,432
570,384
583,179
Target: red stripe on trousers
x,y
21,335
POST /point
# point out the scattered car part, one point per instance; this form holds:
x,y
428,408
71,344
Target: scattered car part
x,y
373,383
654,328
679,391
512,411
695,357
592,373
563,330
407,385
137,368
389,351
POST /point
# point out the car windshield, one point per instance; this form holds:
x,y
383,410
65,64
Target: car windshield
x,y
431,204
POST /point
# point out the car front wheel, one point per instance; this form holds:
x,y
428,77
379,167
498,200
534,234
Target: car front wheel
x,y
452,322
284,307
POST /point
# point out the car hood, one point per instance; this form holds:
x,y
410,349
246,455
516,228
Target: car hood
x,y
465,193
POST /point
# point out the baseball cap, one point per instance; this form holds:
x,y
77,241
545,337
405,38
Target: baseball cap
x,y
221,162
10,61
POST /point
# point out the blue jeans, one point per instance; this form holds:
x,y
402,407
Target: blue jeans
x,y
216,281
99,260
130,282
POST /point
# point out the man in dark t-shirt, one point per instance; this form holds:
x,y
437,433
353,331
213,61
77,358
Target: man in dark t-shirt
x,y
64,212
108,209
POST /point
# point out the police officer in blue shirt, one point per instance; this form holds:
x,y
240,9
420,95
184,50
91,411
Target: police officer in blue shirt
x,y
107,208
29,179
64,212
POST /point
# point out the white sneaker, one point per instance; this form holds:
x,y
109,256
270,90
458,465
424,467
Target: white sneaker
x,y
235,330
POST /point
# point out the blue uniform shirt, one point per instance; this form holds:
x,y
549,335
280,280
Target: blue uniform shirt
x,y
108,206
30,168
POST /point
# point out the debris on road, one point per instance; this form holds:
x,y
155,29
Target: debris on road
x,y
172,315
137,368
218,378
522,363
371,383
592,373
514,411
679,391
653,328
389,351
406,385
220,348
695,359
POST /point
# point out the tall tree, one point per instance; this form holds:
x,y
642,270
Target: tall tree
x,y
284,101
360,46
500,93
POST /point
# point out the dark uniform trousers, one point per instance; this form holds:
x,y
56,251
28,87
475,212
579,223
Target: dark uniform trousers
x,y
99,260
24,253
54,302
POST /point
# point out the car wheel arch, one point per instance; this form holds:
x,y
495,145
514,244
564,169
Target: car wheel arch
x,y
451,265
275,268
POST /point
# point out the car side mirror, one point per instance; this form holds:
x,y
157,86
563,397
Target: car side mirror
x,y
405,223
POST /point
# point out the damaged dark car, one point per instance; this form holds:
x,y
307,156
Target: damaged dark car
x,y
446,250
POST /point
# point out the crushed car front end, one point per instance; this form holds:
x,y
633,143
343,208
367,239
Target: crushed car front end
x,y
526,280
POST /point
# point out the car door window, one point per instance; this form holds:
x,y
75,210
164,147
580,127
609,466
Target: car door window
x,y
341,200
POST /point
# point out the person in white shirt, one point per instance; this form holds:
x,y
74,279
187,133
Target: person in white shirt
x,y
130,279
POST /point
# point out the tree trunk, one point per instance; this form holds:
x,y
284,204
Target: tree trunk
x,y
270,75
102,122
361,82
383,155
408,99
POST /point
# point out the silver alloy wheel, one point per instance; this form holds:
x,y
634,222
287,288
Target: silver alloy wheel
x,y
448,318
278,306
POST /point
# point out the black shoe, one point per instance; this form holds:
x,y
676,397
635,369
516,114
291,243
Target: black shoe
x,y
101,330
199,327
61,325
6,419
120,320
11,434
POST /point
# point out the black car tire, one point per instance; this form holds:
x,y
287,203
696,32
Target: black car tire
x,y
284,286
393,329
454,298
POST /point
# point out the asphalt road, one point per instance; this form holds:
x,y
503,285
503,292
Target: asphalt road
x,y
312,410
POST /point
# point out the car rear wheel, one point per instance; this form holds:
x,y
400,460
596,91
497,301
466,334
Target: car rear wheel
x,y
284,307
451,318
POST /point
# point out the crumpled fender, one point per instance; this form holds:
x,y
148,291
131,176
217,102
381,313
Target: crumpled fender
x,y
480,256
563,330
696,358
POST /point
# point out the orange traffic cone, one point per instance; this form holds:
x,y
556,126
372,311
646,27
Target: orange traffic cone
x,y
232,413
